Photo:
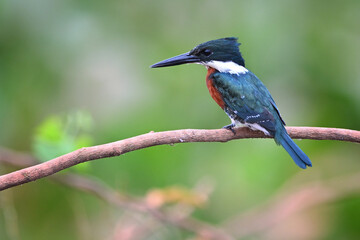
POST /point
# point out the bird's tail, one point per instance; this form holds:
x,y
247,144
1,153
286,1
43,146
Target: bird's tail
x,y
295,152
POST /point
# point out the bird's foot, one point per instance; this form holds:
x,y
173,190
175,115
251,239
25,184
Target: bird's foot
x,y
231,128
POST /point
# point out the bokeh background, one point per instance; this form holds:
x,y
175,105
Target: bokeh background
x,y
76,73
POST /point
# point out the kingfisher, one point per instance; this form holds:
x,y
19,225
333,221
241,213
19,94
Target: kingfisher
x,y
241,94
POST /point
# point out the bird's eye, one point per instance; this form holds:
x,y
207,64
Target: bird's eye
x,y
206,52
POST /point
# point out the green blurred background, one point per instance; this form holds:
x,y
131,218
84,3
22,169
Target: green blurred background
x,y
58,57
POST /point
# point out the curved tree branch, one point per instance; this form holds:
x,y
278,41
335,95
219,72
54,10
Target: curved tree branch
x,y
119,199
290,201
160,138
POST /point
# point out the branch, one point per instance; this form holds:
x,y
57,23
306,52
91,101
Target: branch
x,y
290,201
115,198
160,138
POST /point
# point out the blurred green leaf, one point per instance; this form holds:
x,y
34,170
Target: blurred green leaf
x,y
51,130
58,135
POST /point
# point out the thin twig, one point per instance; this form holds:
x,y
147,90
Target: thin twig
x,y
160,138
115,198
288,202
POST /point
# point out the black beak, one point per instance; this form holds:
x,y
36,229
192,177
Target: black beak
x,y
177,60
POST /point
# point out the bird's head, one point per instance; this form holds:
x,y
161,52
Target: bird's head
x,y
222,54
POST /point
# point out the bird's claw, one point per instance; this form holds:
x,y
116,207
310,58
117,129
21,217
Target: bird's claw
x,y
230,127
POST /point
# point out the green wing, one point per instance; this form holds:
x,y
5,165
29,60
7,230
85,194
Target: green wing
x,y
247,100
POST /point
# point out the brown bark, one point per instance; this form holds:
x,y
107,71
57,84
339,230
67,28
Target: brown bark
x,y
160,138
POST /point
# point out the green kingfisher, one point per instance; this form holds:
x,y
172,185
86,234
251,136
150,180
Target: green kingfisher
x,y
242,96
